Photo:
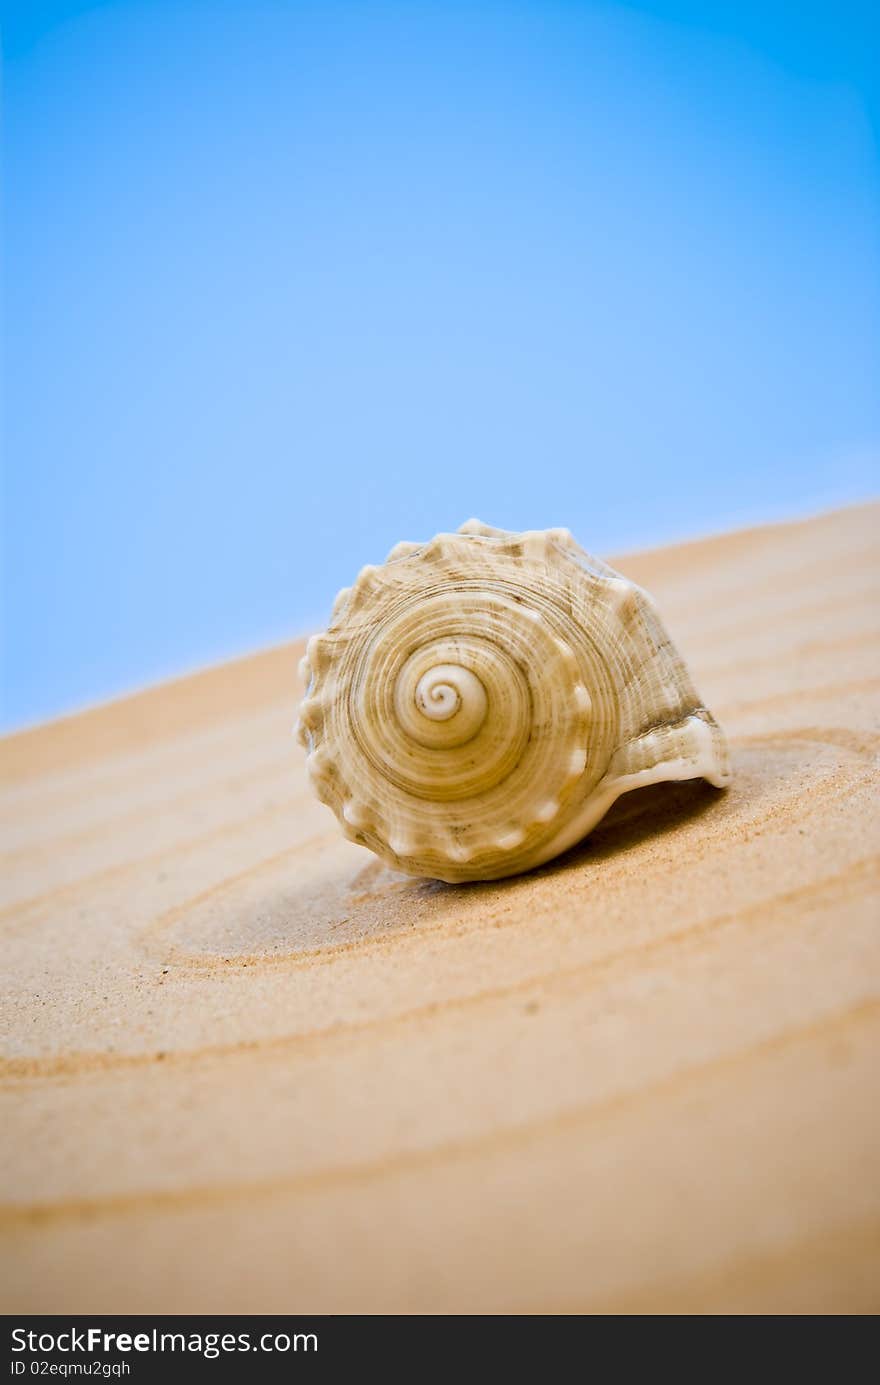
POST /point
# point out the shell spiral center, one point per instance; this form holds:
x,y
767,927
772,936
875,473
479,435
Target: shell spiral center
x,y
452,691
441,706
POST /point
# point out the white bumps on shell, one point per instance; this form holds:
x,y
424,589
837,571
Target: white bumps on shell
x,y
478,702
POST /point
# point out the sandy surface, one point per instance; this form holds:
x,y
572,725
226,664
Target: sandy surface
x,y
249,1068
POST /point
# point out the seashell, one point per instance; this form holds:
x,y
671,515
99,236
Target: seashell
x,y
478,703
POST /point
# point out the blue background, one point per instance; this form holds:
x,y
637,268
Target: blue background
x,y
288,282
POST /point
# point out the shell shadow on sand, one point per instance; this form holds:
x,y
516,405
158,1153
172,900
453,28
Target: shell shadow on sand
x,y
325,899
326,895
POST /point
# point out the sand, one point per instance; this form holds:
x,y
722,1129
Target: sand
x,y
248,1068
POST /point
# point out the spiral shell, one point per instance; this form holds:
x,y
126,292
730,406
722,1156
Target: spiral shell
x,y
479,702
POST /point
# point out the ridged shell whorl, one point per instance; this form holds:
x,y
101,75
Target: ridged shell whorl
x,y
478,702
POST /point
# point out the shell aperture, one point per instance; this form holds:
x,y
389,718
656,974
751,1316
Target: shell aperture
x,y
478,702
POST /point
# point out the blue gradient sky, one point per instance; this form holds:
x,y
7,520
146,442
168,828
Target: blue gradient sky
x,y
288,282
